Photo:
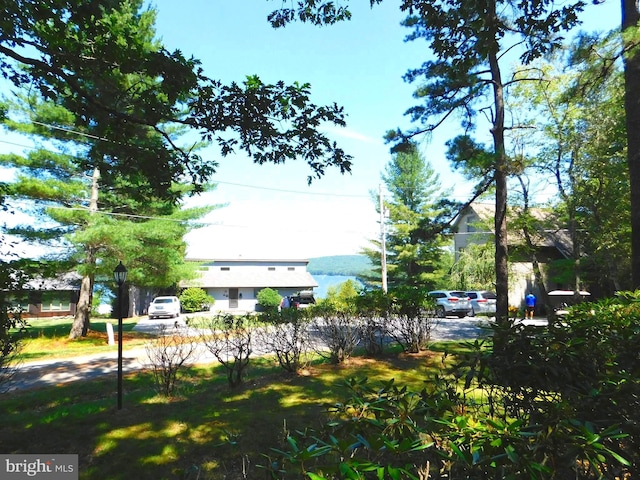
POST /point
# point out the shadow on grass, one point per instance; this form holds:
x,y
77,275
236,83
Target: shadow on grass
x,y
52,328
207,431
49,339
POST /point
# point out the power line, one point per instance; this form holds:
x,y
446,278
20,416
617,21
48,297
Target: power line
x,y
300,192
194,223
221,182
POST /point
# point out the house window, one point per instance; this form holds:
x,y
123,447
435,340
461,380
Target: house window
x,y
470,224
271,269
55,302
19,304
225,269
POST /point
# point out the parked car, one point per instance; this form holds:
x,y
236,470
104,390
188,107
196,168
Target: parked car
x,y
561,300
164,307
302,299
483,302
451,302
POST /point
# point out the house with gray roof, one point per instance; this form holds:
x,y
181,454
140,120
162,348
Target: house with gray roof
x,y
552,243
235,283
48,297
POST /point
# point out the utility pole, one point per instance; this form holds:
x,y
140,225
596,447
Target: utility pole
x,y
383,247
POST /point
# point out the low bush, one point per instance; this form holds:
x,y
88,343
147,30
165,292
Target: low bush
x,y
287,336
412,316
195,299
337,329
168,353
269,299
561,402
229,339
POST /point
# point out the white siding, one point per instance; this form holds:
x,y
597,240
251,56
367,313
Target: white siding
x,y
249,277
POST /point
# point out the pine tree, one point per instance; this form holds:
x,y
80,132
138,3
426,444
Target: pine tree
x,y
413,246
89,222
469,42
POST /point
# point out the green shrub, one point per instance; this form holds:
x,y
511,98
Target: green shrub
x,y
552,403
195,300
269,299
344,294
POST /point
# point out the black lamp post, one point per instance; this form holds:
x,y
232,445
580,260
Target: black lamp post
x,y
120,276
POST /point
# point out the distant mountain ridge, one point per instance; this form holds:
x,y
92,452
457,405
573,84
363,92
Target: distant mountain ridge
x,y
353,265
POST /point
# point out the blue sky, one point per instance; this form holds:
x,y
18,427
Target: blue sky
x,y
271,212
358,65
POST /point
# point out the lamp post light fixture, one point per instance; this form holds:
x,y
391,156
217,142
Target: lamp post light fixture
x,y
120,276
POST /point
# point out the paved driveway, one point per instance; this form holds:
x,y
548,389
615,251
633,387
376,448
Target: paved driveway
x,y
54,372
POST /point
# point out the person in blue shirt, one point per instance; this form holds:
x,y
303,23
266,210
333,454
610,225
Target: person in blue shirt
x,y
530,302
285,302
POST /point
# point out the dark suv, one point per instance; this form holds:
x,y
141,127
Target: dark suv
x,y
302,299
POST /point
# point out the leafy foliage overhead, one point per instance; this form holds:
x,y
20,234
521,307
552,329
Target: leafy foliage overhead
x,y
81,53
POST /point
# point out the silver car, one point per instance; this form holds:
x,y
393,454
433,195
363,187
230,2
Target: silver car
x,y
451,302
483,302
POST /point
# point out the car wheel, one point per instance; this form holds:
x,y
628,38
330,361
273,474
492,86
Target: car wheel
x,y
472,313
462,315
440,313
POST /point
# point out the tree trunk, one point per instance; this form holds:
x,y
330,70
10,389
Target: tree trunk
x,y
80,325
531,249
81,320
501,171
630,18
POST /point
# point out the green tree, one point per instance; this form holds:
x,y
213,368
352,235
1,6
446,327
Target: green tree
x,y
99,60
628,52
413,242
79,54
469,42
13,276
91,221
566,108
343,295
474,268
631,40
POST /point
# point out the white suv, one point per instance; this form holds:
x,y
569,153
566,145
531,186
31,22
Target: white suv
x,y
451,302
164,307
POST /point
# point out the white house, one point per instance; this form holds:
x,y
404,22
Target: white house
x,y
235,283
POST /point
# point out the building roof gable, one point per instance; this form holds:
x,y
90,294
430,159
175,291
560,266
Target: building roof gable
x,y
558,238
241,273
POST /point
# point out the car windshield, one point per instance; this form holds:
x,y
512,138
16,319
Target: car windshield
x,y
489,295
459,294
162,300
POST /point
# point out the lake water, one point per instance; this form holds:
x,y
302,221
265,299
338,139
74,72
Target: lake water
x,y
326,281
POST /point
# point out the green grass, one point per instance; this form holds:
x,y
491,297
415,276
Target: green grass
x,y
207,429
47,338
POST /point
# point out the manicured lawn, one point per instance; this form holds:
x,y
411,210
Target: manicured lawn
x,y
47,338
207,431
